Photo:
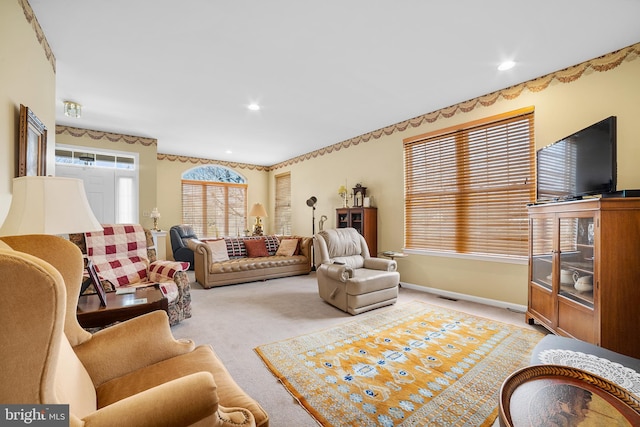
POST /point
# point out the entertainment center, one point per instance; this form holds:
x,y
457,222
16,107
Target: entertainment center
x,y
584,279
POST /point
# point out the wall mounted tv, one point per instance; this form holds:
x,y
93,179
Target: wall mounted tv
x,y
581,164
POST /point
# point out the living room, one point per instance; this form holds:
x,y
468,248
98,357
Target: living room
x,y
590,93
563,102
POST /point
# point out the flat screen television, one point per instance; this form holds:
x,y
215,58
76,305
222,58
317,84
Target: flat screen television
x,y
581,164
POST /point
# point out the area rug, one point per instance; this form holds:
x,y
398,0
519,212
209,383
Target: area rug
x,y
410,365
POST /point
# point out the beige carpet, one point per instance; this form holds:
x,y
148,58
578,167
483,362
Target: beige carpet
x,y
235,319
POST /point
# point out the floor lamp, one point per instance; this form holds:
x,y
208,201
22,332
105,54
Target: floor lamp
x,y
311,202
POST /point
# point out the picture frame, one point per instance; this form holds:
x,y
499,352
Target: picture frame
x,y
97,284
32,145
562,395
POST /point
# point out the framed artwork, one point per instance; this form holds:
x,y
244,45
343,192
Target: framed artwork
x,y
554,395
97,284
32,145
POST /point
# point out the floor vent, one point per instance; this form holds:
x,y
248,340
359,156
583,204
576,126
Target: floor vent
x,y
447,298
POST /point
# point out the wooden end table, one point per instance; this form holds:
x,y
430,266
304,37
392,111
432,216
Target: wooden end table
x,y
119,307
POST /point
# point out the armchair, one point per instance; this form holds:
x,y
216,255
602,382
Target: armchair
x,y
180,236
123,255
131,374
348,277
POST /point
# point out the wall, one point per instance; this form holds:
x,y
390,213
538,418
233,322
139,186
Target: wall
x,y
27,76
564,102
170,170
145,147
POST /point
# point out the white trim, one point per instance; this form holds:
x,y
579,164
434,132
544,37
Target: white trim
x,y
465,297
521,260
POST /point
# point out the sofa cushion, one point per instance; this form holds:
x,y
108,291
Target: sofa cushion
x,y
218,250
256,248
235,247
272,243
288,247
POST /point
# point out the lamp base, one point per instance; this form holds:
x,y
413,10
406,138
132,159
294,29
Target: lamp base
x,y
257,230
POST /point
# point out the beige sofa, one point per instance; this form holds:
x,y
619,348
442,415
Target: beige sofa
x,y
240,266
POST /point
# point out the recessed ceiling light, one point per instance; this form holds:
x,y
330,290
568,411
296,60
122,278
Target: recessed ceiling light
x,y
506,65
253,107
229,152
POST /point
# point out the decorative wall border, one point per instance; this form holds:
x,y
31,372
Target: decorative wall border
x,y
109,136
603,63
201,161
31,18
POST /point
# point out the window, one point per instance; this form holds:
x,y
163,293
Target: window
x,y
283,204
467,188
214,201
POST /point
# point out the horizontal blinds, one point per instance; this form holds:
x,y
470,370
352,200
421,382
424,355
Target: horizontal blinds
x,y
282,222
467,190
214,208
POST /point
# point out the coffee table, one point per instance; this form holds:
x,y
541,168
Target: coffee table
x,y
119,307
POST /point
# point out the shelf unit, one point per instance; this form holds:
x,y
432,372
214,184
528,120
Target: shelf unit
x,y
365,220
596,238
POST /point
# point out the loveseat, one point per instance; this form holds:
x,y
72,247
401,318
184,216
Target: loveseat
x,y
235,260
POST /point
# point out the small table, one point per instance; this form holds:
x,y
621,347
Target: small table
x,y
119,307
393,255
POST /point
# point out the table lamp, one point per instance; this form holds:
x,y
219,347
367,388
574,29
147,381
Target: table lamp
x,y
258,211
48,205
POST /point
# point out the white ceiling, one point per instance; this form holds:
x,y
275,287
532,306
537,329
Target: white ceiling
x,y
324,71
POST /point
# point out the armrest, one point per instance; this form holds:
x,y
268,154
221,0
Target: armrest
x,y
338,272
180,402
380,264
130,345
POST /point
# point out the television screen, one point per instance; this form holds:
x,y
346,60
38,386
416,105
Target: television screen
x,y
579,165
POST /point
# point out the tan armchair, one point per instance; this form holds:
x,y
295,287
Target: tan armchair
x,y
131,374
348,277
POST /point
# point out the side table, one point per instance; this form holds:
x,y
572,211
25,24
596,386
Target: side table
x,y
119,307
393,255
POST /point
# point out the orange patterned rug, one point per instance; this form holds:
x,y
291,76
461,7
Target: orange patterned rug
x,y
410,365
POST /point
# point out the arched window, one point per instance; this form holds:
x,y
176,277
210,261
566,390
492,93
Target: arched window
x,y
214,201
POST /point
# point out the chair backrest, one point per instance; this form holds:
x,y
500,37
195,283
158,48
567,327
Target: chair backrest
x,y
38,363
180,235
119,253
344,245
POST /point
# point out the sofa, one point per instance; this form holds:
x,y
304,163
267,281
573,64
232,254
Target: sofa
x,y
132,249
131,374
233,260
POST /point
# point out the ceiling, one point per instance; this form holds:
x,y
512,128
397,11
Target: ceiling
x,y
184,72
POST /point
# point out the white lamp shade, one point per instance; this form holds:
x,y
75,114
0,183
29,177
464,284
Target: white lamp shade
x,y
49,205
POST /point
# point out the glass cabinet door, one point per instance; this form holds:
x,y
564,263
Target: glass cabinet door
x,y
577,236
542,251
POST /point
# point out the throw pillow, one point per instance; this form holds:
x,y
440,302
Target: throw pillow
x,y
288,247
256,248
218,250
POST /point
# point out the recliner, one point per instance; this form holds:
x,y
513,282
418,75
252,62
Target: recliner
x,y
180,236
348,277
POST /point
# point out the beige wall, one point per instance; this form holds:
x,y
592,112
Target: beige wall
x,y
145,147
26,77
560,108
170,170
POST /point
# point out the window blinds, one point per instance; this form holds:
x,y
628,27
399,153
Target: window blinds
x,y
467,189
282,221
214,209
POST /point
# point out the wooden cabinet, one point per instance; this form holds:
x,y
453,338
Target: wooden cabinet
x,y
575,244
365,220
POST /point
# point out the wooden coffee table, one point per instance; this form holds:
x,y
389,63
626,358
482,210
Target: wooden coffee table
x,y
119,307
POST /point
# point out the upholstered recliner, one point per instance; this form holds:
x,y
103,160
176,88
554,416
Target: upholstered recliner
x,y
123,255
348,277
131,374
180,236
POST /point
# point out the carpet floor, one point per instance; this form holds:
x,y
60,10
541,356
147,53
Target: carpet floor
x,y
238,318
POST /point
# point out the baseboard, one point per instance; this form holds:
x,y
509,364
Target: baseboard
x,y
455,295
